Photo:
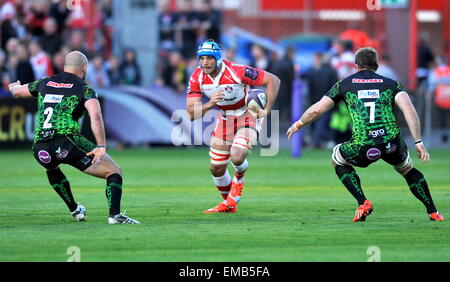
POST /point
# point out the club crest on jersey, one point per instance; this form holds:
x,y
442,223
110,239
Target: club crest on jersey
x,y
228,88
365,94
53,98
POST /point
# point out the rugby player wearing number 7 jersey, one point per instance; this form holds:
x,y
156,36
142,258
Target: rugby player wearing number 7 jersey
x,y
226,85
370,99
62,100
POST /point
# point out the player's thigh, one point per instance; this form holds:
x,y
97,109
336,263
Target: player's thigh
x,y
396,154
243,142
45,155
103,168
352,154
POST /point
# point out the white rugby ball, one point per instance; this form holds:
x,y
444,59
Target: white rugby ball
x,y
256,100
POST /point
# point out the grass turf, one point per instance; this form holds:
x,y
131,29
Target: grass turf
x,y
291,210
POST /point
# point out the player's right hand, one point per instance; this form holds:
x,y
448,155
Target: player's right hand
x,y
97,153
424,156
217,96
12,85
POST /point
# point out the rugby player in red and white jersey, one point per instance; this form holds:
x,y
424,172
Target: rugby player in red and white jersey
x,y
226,84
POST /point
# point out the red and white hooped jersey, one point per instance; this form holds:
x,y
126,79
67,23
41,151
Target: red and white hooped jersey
x,y
234,79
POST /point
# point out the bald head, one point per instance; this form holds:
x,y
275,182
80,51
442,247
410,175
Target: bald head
x,y
76,62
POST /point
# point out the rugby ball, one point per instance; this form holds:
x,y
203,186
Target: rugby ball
x,y
256,100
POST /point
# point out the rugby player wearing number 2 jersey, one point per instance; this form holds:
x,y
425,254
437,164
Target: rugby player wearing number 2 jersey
x,y
226,85
370,99
62,100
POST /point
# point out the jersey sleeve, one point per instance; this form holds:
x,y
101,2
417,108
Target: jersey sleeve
x,y
89,93
399,88
193,89
249,75
33,87
335,92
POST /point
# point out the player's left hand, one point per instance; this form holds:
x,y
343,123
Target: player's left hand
x,y
259,113
291,131
294,128
97,153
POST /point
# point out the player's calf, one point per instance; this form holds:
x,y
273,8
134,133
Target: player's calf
x,y
61,185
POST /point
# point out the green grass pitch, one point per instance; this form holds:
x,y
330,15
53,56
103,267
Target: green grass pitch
x,y
291,210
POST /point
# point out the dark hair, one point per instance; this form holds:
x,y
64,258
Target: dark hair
x,y
367,58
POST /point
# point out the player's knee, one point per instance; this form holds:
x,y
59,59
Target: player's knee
x,y
238,156
217,171
336,157
405,166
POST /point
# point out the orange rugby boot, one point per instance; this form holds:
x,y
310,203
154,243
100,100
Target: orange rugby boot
x,y
221,208
363,211
436,216
235,194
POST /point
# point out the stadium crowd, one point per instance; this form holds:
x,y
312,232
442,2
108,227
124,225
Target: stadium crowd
x,y
36,35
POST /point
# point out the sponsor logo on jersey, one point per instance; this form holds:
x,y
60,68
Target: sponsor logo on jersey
x,y
390,148
378,132
59,85
44,157
373,154
251,73
61,153
373,80
53,98
364,94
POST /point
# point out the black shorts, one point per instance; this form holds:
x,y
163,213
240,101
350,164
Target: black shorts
x,y
393,152
66,149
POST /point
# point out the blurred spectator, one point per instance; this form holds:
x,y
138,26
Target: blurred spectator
x,y
7,14
167,20
97,75
51,41
37,16
285,70
211,21
4,75
58,62
24,70
113,70
425,58
343,60
42,65
11,46
439,88
187,25
320,78
384,67
259,58
129,69
229,54
60,13
173,73
78,42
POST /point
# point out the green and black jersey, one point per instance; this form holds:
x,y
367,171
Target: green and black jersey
x,y
370,100
61,101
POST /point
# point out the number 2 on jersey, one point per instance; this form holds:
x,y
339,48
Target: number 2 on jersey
x,y
49,112
371,106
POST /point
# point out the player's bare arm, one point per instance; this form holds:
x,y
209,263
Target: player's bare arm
x,y
272,84
19,91
98,128
412,120
311,114
196,109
